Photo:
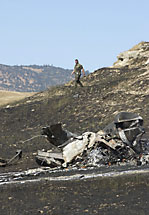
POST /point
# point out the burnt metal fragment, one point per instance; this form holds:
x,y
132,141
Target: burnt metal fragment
x,y
56,135
18,156
118,143
126,126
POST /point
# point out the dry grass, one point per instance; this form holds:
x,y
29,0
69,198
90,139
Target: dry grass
x,y
7,97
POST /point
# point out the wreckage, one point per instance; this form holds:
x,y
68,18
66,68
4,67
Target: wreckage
x,y
118,143
16,157
121,142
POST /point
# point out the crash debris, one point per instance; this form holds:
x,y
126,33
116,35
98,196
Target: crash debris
x,y
120,143
17,156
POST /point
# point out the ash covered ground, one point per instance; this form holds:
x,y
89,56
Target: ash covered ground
x,y
116,187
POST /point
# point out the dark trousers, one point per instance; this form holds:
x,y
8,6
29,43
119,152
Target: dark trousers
x,y
77,80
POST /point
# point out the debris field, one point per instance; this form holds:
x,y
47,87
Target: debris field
x,y
120,143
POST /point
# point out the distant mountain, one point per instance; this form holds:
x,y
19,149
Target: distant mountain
x,y
32,78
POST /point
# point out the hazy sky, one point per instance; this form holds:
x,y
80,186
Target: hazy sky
x,y
58,31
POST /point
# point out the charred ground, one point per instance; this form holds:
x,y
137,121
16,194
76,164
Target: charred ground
x,y
106,92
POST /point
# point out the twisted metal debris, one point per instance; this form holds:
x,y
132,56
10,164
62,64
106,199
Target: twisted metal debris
x,y
121,142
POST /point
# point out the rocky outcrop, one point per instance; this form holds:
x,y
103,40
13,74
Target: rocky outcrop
x,y
136,57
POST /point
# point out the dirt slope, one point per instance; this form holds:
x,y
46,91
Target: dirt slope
x,y
106,92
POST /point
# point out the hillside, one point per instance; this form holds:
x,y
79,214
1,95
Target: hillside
x,y
32,78
7,97
107,91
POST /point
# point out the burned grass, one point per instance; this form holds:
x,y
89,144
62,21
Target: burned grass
x,y
106,92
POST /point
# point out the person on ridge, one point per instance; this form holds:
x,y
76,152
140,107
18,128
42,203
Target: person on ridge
x,y
78,68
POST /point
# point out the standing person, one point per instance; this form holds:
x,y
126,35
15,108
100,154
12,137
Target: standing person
x,y
78,68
